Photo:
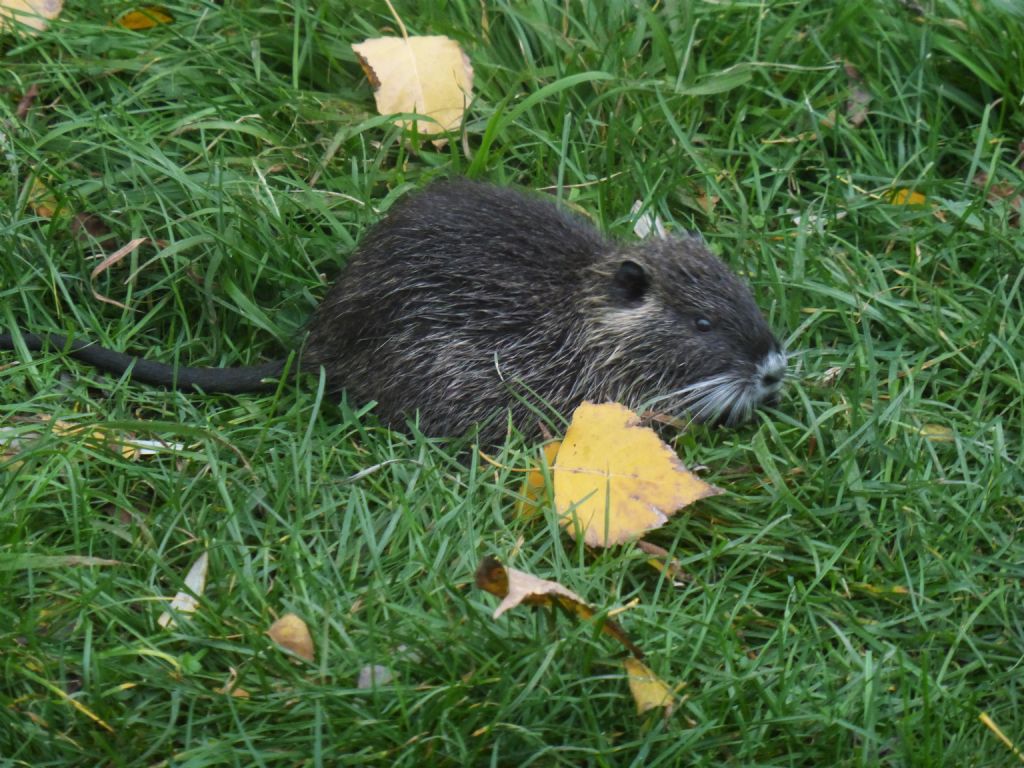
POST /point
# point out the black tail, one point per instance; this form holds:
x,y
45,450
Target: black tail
x,y
250,378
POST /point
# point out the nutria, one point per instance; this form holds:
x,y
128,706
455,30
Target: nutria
x,y
469,299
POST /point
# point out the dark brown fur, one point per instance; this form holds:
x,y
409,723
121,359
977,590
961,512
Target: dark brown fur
x,y
468,298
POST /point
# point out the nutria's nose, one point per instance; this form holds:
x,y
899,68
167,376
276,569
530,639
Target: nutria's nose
x,y
772,371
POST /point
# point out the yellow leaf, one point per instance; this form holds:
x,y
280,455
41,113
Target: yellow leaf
x,y
615,479
42,201
291,633
33,14
146,17
937,433
647,689
533,485
430,76
906,197
518,587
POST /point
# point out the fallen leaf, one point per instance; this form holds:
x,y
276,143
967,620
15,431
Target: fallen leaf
x,y
518,587
88,225
26,101
373,675
187,602
429,76
144,18
42,200
707,202
533,485
937,433
860,97
230,686
662,561
291,633
615,479
1002,191
906,197
647,688
109,261
31,15
646,223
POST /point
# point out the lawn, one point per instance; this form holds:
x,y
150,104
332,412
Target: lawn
x,y
853,599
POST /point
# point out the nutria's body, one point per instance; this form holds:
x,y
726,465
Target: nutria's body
x,y
467,299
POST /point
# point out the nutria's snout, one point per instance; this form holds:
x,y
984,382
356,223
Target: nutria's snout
x,y
769,377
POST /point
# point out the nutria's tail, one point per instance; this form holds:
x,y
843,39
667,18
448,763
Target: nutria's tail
x,y
250,378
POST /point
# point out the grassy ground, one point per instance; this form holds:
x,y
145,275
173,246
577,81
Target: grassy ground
x,y
856,596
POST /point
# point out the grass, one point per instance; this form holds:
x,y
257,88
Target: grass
x,y
856,596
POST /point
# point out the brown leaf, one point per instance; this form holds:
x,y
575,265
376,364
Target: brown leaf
x,y
110,261
518,587
26,102
662,561
291,633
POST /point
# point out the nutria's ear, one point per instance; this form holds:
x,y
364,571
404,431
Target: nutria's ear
x,y
630,282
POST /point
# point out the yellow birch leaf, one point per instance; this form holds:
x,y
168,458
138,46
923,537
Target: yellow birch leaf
x,y
144,18
291,633
647,688
31,14
615,479
520,588
430,76
533,485
906,197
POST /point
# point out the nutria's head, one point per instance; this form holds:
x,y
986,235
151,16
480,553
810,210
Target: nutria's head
x,y
672,328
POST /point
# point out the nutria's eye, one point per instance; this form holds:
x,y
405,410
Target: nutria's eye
x,y
703,324
630,282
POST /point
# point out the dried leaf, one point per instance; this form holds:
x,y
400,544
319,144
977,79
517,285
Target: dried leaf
x,y
291,633
230,686
647,688
430,76
187,602
111,260
518,587
615,479
647,222
26,101
30,15
662,561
